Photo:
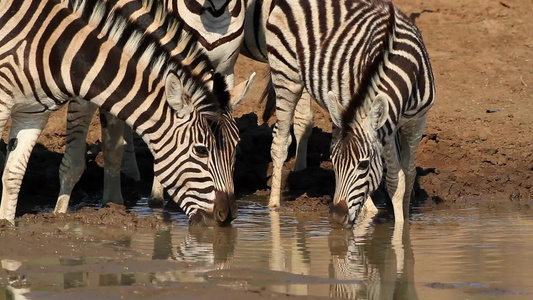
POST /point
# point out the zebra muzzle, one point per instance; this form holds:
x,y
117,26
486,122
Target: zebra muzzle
x,y
339,215
225,209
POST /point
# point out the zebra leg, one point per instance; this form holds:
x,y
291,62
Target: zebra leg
x,y
25,129
113,150
157,196
80,113
3,121
365,218
395,178
397,245
411,133
369,206
303,126
286,100
129,161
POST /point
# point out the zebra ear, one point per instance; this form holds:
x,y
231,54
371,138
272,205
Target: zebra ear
x,y
176,97
335,109
238,92
379,110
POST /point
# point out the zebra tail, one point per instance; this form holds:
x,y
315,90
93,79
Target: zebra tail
x,y
270,96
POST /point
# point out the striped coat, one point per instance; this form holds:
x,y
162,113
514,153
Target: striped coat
x,y
53,51
365,62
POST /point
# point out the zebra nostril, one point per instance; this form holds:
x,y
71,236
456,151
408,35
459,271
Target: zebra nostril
x,y
225,209
221,214
339,214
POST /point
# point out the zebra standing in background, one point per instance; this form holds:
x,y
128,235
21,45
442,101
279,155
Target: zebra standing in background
x,y
255,47
53,51
366,63
219,29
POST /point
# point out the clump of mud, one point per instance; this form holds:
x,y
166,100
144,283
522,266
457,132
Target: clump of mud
x,y
5,224
113,215
305,203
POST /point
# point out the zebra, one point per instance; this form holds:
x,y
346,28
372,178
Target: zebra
x,y
219,28
365,62
55,50
255,47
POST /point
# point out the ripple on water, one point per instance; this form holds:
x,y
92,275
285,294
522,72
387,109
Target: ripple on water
x,y
439,255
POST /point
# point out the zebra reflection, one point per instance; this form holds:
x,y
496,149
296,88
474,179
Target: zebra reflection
x,y
212,248
382,260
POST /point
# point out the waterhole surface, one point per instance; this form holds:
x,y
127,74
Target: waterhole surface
x,y
460,254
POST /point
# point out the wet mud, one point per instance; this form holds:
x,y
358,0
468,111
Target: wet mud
x,y
111,215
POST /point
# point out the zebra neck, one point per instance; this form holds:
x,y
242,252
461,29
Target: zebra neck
x,y
112,65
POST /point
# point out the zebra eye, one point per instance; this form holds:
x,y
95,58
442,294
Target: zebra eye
x,y
201,151
363,165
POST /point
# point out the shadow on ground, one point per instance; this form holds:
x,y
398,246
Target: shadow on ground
x,y
252,172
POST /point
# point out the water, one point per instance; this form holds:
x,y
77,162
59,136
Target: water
x,y
462,254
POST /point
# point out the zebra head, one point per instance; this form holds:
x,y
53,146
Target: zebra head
x,y
226,137
196,163
356,155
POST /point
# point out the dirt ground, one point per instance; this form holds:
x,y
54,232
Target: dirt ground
x,y
477,150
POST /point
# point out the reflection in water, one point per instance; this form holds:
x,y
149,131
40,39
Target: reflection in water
x,y
376,259
212,247
383,262
455,255
298,262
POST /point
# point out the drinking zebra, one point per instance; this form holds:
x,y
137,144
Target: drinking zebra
x,y
218,28
365,62
53,51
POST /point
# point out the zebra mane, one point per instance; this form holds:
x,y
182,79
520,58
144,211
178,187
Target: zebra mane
x,y
192,54
369,71
168,48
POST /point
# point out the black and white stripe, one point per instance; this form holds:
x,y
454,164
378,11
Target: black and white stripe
x,y
254,44
53,51
218,28
255,47
366,63
379,262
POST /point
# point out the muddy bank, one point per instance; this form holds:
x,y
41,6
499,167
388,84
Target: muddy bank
x,y
111,215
